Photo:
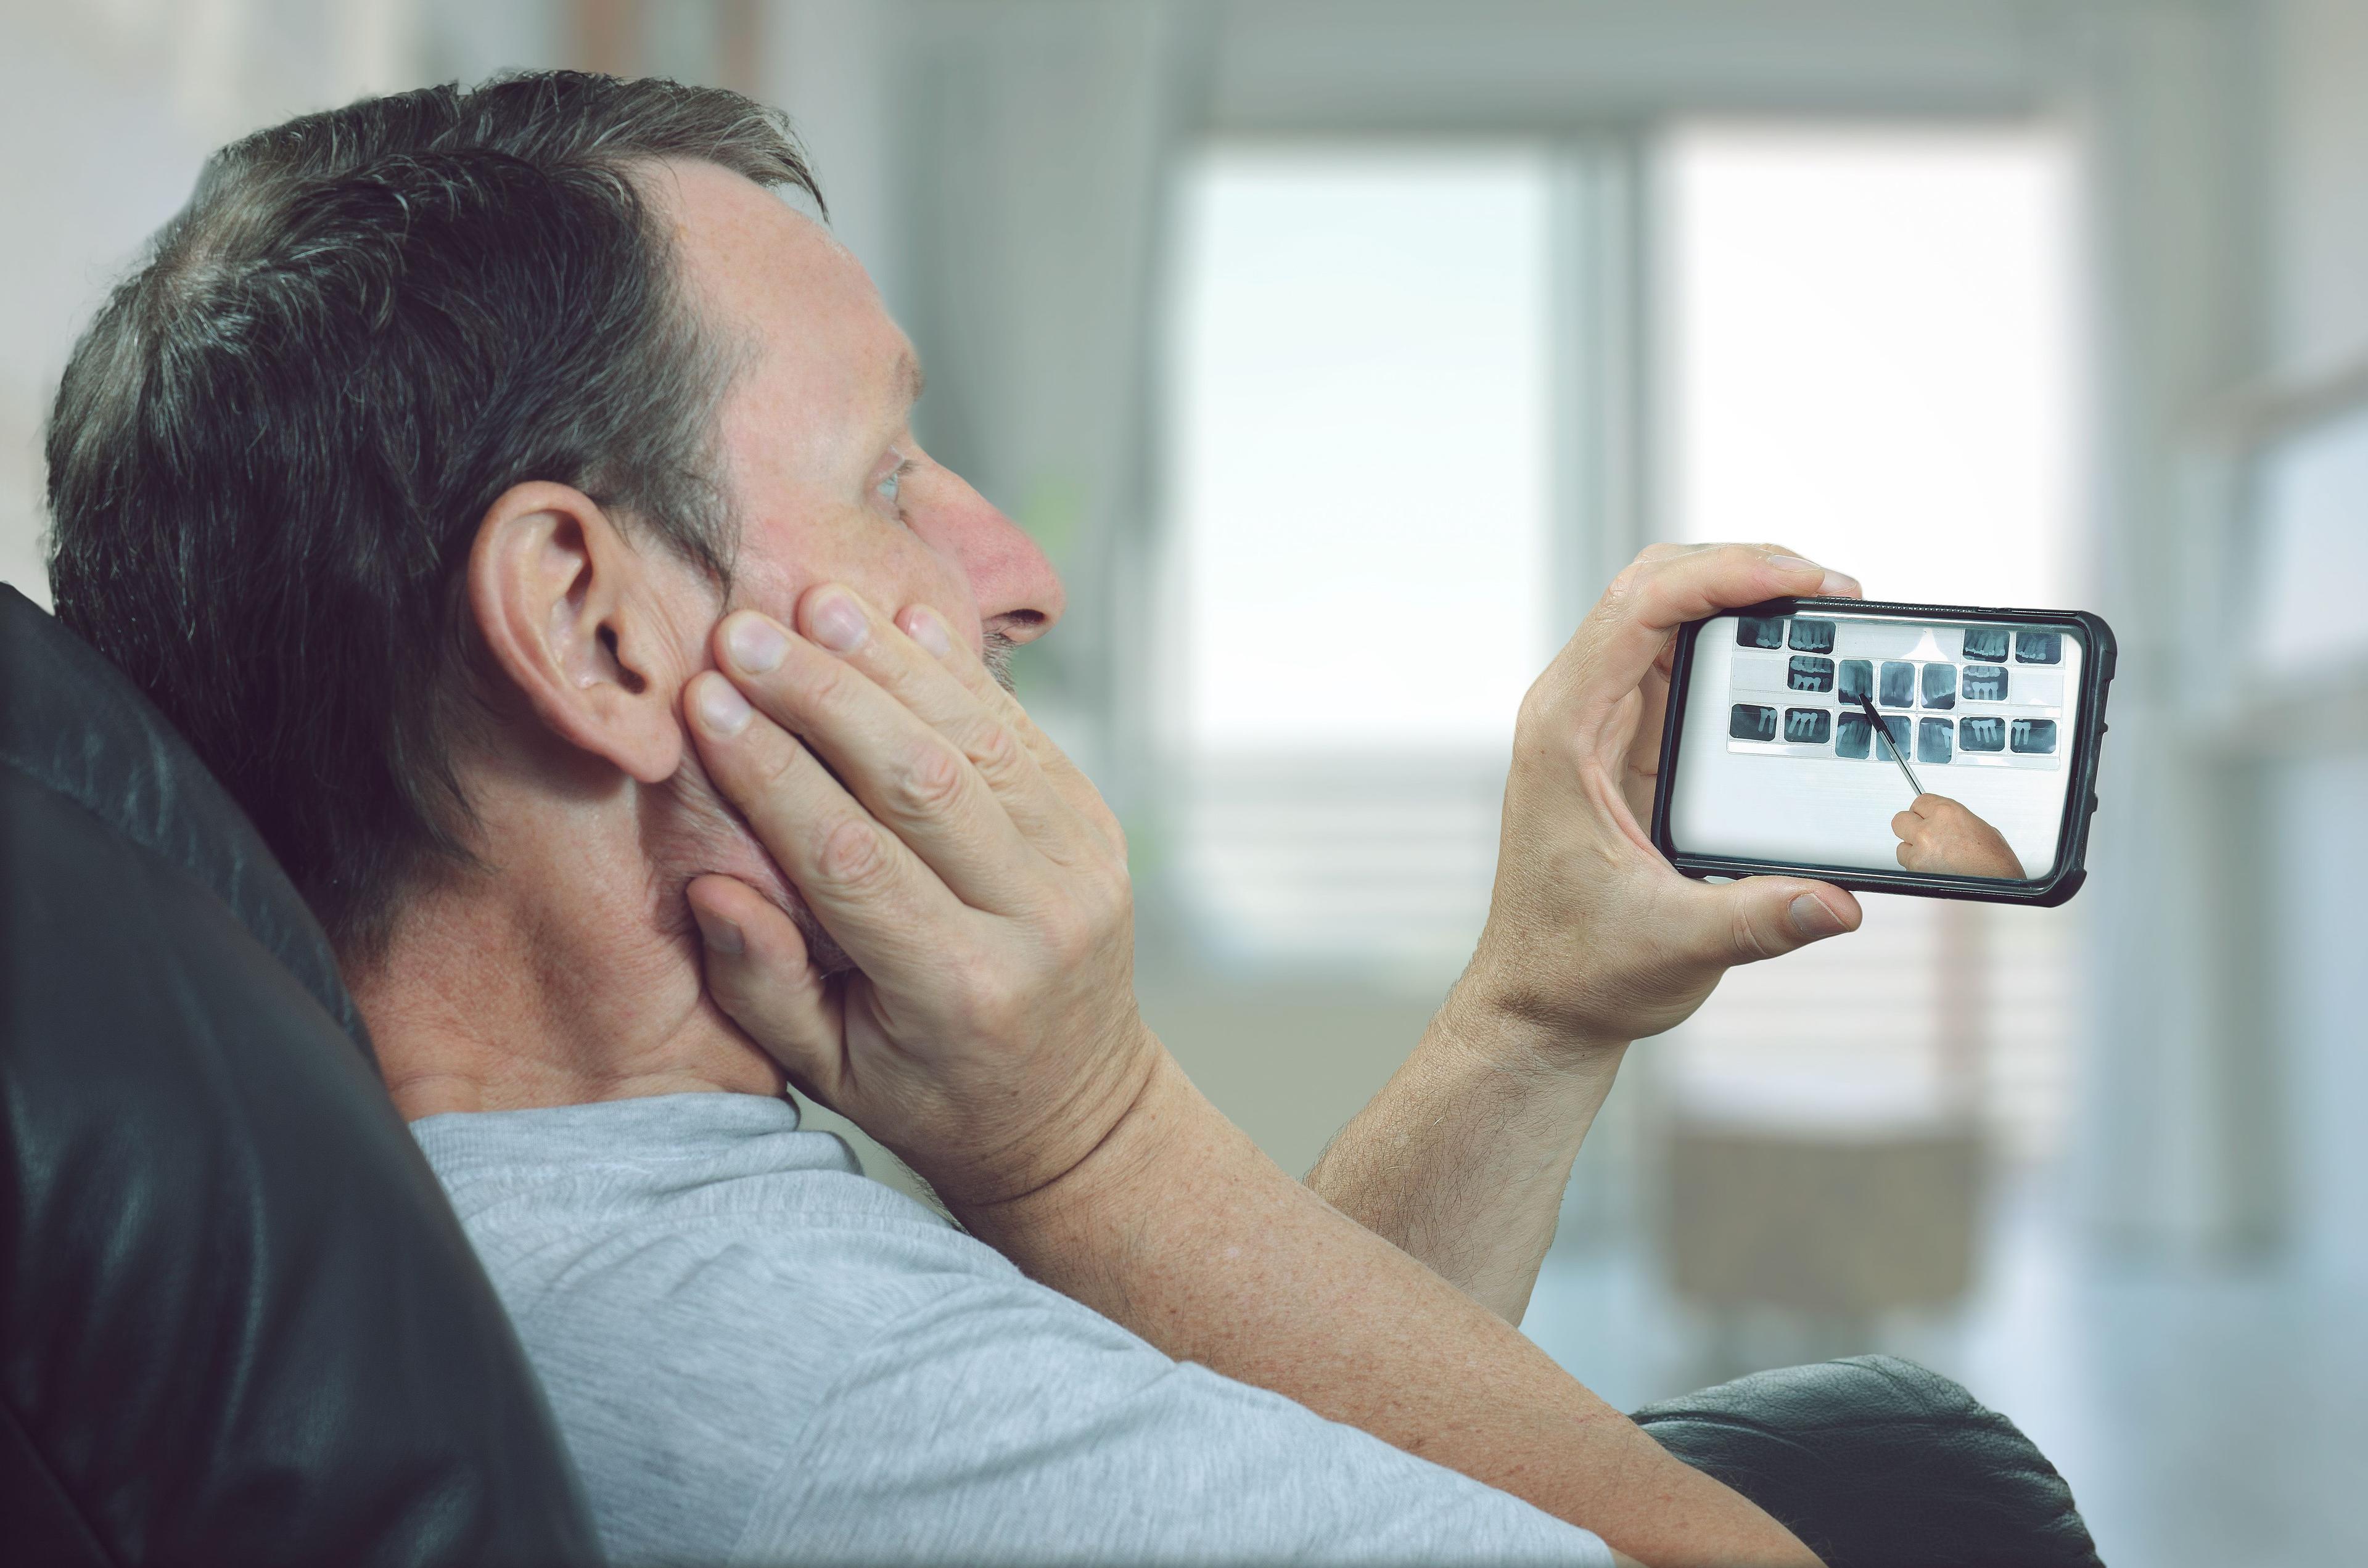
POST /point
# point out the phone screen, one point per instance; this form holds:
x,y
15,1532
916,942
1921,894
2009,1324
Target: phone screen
x,y
1780,760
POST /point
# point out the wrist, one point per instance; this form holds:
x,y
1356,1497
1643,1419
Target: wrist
x,y
1146,1148
1510,1026
992,1133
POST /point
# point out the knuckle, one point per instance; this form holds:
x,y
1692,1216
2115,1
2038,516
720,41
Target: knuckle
x,y
994,750
774,765
1744,931
1628,584
1108,904
928,784
827,687
1115,831
852,856
1069,931
996,1006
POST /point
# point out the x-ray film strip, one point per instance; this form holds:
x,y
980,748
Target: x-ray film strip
x,y
1951,696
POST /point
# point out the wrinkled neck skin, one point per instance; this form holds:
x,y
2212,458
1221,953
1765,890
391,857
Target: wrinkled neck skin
x,y
564,970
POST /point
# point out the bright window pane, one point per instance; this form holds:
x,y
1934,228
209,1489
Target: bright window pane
x,y
1875,355
1359,429
2314,550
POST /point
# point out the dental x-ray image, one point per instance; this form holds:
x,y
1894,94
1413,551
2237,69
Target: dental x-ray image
x,y
1811,674
1813,636
1963,775
1898,684
1988,643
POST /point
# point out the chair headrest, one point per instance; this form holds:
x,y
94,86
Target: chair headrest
x,y
72,723
238,1321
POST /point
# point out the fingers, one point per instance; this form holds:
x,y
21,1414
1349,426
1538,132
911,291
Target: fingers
x,y
759,974
1630,627
927,629
906,659
1765,917
867,888
908,776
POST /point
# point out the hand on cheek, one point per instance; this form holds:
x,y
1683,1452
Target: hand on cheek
x,y
991,1037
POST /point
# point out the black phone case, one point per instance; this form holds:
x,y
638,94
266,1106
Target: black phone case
x,y
2079,797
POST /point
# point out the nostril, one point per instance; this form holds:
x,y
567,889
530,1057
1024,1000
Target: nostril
x,y
1020,625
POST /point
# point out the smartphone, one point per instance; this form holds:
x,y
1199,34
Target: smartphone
x,y
1799,730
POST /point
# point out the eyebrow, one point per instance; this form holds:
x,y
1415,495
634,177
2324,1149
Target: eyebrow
x,y
910,378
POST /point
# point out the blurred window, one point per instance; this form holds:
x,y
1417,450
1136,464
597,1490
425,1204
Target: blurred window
x,y
1357,574
2309,618
1872,357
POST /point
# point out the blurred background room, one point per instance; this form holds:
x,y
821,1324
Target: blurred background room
x,y
1339,351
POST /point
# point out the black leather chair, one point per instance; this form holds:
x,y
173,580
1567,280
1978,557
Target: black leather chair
x,y
1876,1463
238,1321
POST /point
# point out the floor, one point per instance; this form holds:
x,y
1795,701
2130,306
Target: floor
x,y
2206,1418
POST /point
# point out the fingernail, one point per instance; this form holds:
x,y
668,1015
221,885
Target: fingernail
x,y
722,710
1840,586
756,644
836,622
1812,919
1793,564
722,936
929,631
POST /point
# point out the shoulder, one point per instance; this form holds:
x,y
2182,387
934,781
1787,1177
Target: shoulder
x,y
757,1354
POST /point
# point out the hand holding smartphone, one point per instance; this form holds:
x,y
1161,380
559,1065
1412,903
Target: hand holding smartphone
x,y
1947,751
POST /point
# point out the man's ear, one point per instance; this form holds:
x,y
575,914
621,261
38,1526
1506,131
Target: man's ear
x,y
569,617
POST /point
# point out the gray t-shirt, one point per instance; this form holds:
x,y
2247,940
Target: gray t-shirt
x,y
757,1355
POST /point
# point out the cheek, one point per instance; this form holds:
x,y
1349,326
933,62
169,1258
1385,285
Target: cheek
x,y
935,576
889,564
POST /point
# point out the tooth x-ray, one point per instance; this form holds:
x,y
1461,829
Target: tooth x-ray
x,y
1813,727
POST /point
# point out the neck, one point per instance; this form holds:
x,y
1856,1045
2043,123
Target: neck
x,y
542,985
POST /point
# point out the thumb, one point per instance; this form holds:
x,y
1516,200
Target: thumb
x,y
760,974
1765,917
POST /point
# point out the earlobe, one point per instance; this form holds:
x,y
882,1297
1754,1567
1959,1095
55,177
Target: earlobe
x,y
559,601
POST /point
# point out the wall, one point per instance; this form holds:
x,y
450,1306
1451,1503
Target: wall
x,y
2319,184
105,154
2318,315
108,110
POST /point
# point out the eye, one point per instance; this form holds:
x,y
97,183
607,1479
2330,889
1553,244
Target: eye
x,y
889,485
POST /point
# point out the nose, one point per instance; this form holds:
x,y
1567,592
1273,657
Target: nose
x,y
1018,593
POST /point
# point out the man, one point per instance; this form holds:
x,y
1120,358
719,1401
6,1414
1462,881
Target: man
x,y
415,474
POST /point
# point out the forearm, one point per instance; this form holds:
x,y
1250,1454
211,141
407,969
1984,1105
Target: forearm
x,y
1179,1228
1462,1157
